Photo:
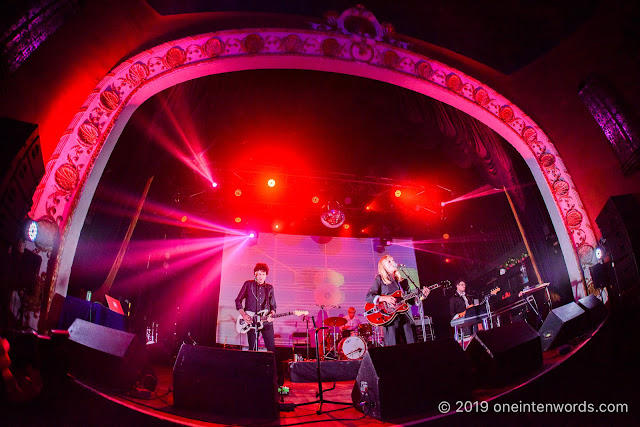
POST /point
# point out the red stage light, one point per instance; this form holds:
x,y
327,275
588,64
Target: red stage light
x,y
238,192
368,208
238,219
447,260
271,182
445,236
214,184
346,226
442,204
315,199
183,219
398,193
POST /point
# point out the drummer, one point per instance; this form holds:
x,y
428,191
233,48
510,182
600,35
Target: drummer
x,y
351,327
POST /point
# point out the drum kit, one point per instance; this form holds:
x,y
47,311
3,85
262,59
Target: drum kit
x,y
349,344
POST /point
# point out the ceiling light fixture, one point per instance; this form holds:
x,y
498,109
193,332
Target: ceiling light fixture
x,y
333,217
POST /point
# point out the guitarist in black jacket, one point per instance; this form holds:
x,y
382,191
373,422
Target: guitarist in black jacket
x,y
387,282
258,295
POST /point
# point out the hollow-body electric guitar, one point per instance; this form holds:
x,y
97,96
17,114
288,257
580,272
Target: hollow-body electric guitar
x,y
243,327
384,312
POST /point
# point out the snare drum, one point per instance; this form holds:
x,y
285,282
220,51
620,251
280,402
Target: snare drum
x,y
352,348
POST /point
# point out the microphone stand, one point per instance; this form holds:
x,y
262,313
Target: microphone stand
x,y
321,399
421,307
308,337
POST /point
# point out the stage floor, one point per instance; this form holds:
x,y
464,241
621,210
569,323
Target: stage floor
x,y
159,404
580,375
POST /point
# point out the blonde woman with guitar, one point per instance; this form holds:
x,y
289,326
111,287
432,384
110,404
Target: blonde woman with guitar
x,y
388,282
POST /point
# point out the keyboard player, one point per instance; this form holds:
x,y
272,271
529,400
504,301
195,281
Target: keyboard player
x,y
459,303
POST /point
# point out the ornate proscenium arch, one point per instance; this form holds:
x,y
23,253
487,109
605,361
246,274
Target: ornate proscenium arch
x,y
344,46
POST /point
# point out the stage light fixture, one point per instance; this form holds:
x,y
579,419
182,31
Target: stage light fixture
x,y
43,233
214,184
599,253
398,193
442,204
238,192
253,238
238,219
183,219
315,199
32,230
445,236
346,226
332,217
271,182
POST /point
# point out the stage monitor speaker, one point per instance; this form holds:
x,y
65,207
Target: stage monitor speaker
x,y
562,324
596,311
226,382
104,356
411,378
502,354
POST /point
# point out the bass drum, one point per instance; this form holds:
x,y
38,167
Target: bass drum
x,y
352,348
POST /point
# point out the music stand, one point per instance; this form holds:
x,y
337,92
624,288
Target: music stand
x,y
321,400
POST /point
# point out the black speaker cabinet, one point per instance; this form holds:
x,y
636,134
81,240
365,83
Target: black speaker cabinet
x,y
104,356
562,324
502,354
226,382
596,311
28,270
412,378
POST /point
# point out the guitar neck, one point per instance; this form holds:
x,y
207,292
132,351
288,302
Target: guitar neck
x,y
289,313
416,293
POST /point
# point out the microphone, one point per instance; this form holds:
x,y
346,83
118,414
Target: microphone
x,y
401,265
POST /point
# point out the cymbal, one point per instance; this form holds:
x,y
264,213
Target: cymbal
x,y
335,321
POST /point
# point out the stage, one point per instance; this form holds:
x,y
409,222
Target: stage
x,y
560,379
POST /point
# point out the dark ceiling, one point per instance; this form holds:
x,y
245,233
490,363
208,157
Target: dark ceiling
x,y
340,138
505,35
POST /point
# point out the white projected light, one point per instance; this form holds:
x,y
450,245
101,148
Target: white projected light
x,y
319,274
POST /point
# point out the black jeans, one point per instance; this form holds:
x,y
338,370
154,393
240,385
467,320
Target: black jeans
x,y
401,322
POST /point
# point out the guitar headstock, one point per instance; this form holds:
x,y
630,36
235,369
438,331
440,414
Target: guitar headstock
x,y
301,312
445,284
495,290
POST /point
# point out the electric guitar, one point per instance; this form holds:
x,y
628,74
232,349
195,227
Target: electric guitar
x,y
383,313
243,327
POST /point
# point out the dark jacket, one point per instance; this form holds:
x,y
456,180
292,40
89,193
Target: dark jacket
x,y
456,305
257,297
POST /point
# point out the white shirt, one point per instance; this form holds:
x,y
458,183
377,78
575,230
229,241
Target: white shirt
x,y
351,323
